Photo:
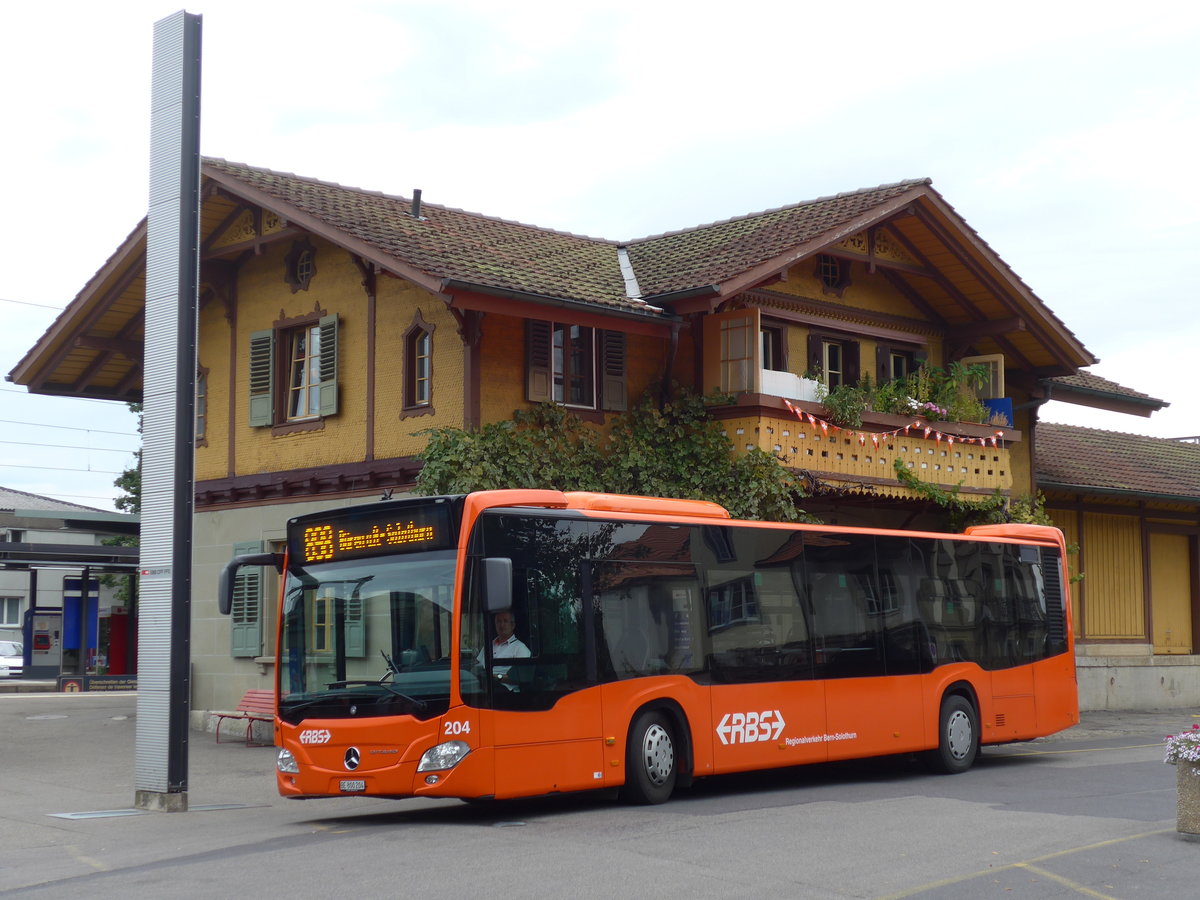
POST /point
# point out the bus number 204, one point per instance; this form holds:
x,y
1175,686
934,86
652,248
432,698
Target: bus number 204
x,y
456,728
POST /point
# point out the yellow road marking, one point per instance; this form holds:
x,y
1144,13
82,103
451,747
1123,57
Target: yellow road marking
x,y
1065,882
1081,750
87,860
1030,865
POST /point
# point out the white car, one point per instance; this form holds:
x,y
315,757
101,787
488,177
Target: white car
x,y
12,663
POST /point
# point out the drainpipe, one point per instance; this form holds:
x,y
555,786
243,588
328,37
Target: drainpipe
x,y
664,396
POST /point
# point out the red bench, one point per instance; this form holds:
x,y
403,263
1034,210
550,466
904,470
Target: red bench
x,y
256,706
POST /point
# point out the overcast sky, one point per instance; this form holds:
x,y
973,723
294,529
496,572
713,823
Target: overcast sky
x,y
1065,134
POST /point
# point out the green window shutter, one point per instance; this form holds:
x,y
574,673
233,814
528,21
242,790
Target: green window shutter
x,y
883,363
328,387
356,631
246,614
816,357
262,378
538,386
612,371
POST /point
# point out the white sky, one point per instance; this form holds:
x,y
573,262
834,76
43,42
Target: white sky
x,y
1065,134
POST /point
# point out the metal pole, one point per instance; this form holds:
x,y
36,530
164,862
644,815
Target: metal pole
x,y
172,282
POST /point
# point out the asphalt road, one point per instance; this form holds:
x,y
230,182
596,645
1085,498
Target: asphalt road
x,y
1088,813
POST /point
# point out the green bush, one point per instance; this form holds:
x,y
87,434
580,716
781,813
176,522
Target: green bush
x,y
677,450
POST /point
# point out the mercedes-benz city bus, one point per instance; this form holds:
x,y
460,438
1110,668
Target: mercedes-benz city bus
x,y
644,643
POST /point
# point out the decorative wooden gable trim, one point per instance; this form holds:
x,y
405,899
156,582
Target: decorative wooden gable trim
x,y
878,246
246,228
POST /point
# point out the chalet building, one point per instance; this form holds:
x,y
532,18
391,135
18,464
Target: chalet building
x,y
337,323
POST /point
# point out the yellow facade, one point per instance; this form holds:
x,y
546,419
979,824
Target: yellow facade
x,y
1115,603
399,307
1171,592
264,298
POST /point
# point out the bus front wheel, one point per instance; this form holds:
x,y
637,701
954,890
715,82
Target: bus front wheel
x,y
958,737
650,761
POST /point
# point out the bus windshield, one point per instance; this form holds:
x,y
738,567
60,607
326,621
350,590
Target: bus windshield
x,y
367,637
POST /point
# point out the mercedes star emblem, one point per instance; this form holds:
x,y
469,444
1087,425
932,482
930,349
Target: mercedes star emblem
x,y
352,758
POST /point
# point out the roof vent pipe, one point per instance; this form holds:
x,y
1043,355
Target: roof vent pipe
x,y
416,203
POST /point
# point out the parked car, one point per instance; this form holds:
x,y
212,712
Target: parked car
x,y
12,661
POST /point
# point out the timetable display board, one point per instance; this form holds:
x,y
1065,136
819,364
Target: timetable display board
x,y
373,532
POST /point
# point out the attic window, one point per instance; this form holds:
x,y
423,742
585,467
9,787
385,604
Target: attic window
x,y
300,265
833,273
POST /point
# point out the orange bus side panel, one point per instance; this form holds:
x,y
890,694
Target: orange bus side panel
x,y
876,716
1057,693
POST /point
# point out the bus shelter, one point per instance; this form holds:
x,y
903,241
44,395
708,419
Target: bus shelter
x,y
72,631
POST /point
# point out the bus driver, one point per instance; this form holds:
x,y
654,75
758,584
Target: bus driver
x,y
506,645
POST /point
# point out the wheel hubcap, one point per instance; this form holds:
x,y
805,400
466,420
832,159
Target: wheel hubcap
x,y
658,754
958,734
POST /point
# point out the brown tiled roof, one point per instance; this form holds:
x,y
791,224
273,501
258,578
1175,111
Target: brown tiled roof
x,y
449,243
1109,461
711,254
1094,384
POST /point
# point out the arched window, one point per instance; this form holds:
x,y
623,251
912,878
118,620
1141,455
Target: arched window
x,y
418,367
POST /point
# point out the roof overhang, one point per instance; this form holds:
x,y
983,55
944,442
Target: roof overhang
x,y
24,555
951,276
1115,399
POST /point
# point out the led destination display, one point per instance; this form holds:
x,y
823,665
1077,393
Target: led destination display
x,y
376,533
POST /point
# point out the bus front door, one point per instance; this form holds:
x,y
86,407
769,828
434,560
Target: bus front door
x,y
547,739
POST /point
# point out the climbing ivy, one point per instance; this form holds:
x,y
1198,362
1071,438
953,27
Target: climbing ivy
x,y
993,509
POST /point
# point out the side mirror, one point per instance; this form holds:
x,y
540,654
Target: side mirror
x,y
497,583
229,574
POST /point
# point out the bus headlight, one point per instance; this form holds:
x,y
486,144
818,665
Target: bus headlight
x,y
286,763
443,756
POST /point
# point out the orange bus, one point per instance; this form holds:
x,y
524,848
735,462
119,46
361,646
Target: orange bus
x,y
514,643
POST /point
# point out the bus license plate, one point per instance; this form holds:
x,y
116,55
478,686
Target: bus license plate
x,y
349,786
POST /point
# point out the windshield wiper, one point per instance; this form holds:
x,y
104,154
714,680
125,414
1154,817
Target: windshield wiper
x,y
315,701
418,705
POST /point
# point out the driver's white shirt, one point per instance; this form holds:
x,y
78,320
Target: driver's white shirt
x,y
513,648
510,649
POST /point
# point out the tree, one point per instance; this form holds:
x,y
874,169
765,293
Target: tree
x,y
130,483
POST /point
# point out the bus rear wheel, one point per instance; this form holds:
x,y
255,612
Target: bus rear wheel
x,y
958,737
650,761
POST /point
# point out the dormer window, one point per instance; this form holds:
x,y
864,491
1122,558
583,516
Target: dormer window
x,y
833,273
300,265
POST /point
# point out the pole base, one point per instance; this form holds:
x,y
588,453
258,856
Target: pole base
x,y
157,801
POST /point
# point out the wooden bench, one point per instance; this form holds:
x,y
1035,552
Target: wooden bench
x,y
256,706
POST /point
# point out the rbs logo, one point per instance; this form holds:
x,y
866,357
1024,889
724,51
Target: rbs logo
x,y
749,727
315,736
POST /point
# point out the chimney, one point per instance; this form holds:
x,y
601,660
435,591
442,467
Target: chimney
x,y
416,204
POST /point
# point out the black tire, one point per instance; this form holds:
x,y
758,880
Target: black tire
x,y
651,762
958,737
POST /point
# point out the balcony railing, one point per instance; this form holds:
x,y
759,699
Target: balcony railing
x,y
977,458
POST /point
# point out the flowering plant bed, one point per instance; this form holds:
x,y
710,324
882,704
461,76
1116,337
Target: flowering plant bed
x,y
1183,747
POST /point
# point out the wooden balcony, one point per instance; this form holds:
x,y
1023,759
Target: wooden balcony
x,y
974,457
